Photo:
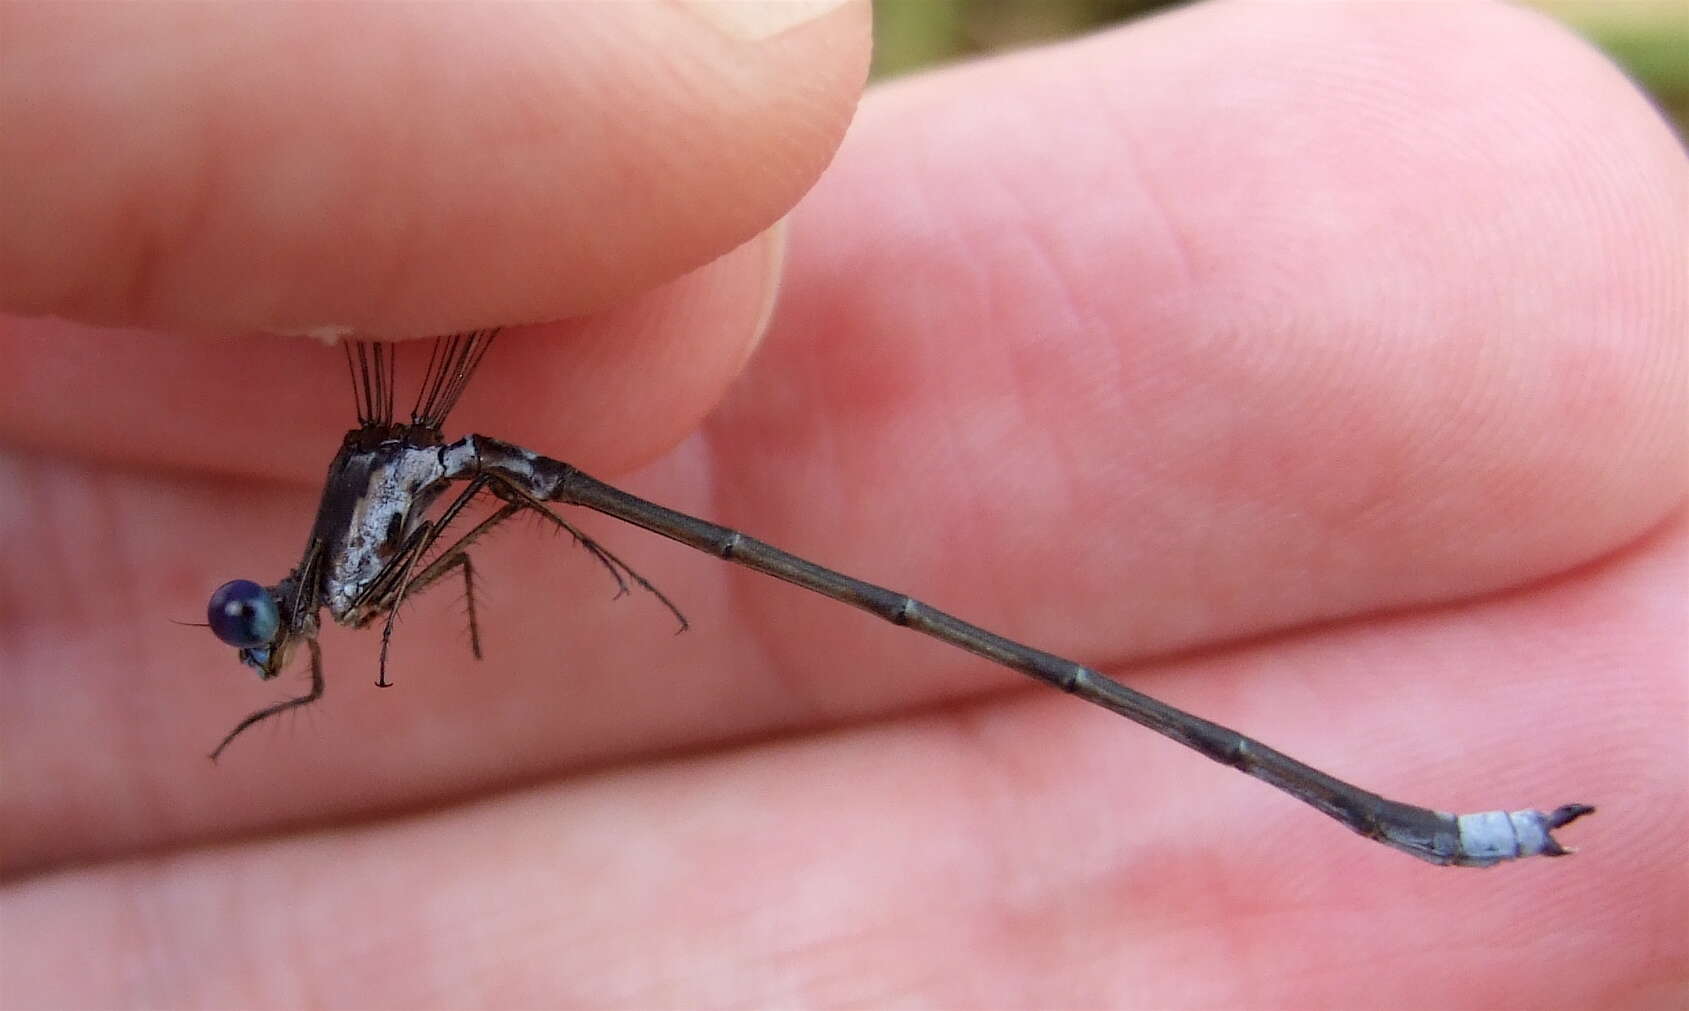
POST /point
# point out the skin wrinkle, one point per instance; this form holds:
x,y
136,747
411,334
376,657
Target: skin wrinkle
x,y
182,203
143,253
391,275
406,231
1055,892
1121,119
1090,865
819,953
836,939
821,454
1662,354
399,235
193,192
971,260
1494,368
1071,315
1186,255
743,588
125,570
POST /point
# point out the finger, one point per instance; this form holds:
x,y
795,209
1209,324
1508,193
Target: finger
x,y
269,409
1245,339
401,170
1005,853
1061,501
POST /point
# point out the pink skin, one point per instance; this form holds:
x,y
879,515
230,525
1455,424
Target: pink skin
x,y
1318,369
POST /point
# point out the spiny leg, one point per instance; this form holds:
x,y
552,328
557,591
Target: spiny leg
x,y
469,601
419,541
616,566
453,559
384,593
305,600
388,590
447,557
379,596
306,699
516,496
454,556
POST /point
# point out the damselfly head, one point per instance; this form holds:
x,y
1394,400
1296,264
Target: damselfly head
x,y
244,615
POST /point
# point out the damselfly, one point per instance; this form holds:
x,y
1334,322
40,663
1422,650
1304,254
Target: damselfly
x,y
373,545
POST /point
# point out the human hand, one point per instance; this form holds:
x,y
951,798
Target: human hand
x,y
1317,369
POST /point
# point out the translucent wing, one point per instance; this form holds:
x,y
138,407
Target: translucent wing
x,y
451,363
450,366
371,366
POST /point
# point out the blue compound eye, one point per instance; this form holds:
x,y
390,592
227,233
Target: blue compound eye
x,y
243,614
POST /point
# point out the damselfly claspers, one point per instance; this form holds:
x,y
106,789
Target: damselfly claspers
x,y
373,545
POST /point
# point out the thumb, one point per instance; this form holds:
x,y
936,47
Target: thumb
x,y
394,170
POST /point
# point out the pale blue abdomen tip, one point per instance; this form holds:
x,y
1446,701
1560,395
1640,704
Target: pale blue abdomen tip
x,y
1503,835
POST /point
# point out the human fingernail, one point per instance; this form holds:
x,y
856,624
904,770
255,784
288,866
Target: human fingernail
x,y
774,240
761,19
330,334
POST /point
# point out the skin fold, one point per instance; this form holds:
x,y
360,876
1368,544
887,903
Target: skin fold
x,y
1318,369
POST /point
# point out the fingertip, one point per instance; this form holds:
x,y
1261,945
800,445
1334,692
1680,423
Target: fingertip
x,y
400,171
1336,308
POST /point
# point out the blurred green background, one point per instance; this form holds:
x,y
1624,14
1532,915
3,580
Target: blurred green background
x,y
1649,38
